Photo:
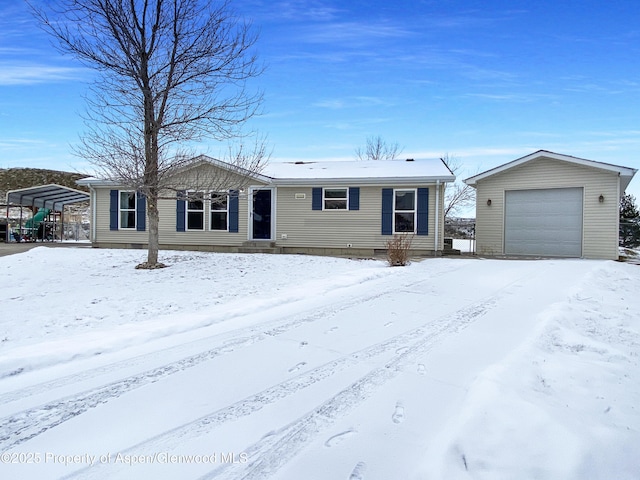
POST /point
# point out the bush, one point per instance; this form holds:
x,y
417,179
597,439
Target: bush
x,y
398,250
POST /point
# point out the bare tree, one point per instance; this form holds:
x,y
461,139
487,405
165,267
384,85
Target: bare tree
x,y
458,195
169,73
378,149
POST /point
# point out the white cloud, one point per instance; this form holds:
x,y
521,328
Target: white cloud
x,y
353,102
28,74
512,97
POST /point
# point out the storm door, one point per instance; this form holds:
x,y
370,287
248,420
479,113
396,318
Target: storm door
x,y
261,214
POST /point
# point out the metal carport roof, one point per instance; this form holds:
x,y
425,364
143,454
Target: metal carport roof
x,y
52,196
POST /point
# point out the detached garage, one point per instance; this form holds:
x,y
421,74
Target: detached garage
x,y
551,205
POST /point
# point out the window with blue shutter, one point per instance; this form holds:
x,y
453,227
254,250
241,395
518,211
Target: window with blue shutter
x,y
113,210
234,209
181,206
141,212
423,211
387,211
316,199
354,198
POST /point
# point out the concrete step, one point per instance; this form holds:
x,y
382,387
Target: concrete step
x,y
264,249
259,244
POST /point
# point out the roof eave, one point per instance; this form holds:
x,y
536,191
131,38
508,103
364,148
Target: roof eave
x,y
620,170
97,182
399,181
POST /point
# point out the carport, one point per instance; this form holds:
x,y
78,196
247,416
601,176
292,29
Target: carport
x,y
51,197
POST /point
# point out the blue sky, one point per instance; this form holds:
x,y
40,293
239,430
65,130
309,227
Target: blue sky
x,y
484,81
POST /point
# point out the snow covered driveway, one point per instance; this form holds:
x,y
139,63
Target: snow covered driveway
x,y
289,367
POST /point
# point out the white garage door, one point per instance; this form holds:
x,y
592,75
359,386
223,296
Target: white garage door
x,y
544,222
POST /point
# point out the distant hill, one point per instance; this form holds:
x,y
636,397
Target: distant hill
x,y
16,178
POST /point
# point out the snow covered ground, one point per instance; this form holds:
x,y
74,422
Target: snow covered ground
x,y
288,367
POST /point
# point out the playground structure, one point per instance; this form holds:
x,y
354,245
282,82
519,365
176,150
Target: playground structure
x,y
42,226
47,221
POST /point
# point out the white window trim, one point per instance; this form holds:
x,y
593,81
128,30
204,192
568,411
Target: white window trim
x,y
211,210
415,210
134,209
187,210
335,209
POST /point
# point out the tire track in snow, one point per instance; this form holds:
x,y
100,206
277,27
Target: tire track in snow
x,y
420,339
277,449
24,425
273,328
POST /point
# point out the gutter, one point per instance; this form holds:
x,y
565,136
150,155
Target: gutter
x,y
92,202
364,181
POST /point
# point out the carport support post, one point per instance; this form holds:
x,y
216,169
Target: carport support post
x,y
21,231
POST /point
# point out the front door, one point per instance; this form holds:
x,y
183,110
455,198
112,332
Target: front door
x,y
261,214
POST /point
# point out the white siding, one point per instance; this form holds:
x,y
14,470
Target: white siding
x,y
170,236
361,228
103,233
294,217
600,236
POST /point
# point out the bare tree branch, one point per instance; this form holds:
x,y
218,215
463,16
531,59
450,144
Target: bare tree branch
x,y
377,148
168,73
457,196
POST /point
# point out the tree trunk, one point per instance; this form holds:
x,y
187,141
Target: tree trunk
x,y
152,211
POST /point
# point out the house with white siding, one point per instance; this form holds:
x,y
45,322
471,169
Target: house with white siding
x,y
551,205
333,208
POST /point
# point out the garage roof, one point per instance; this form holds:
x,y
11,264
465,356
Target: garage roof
x,y
50,196
626,173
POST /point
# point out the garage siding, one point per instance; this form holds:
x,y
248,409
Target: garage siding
x,y
600,234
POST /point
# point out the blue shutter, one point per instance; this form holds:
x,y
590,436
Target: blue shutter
x,y
387,211
354,198
141,212
181,208
113,210
423,211
316,199
234,209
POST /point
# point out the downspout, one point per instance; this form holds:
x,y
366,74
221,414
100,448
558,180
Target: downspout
x,y
92,207
436,232
620,193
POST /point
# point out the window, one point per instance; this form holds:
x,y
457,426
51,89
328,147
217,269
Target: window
x,y
404,211
195,211
127,207
335,198
219,211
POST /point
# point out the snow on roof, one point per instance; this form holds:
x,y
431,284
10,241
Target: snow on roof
x,y
398,172
366,171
